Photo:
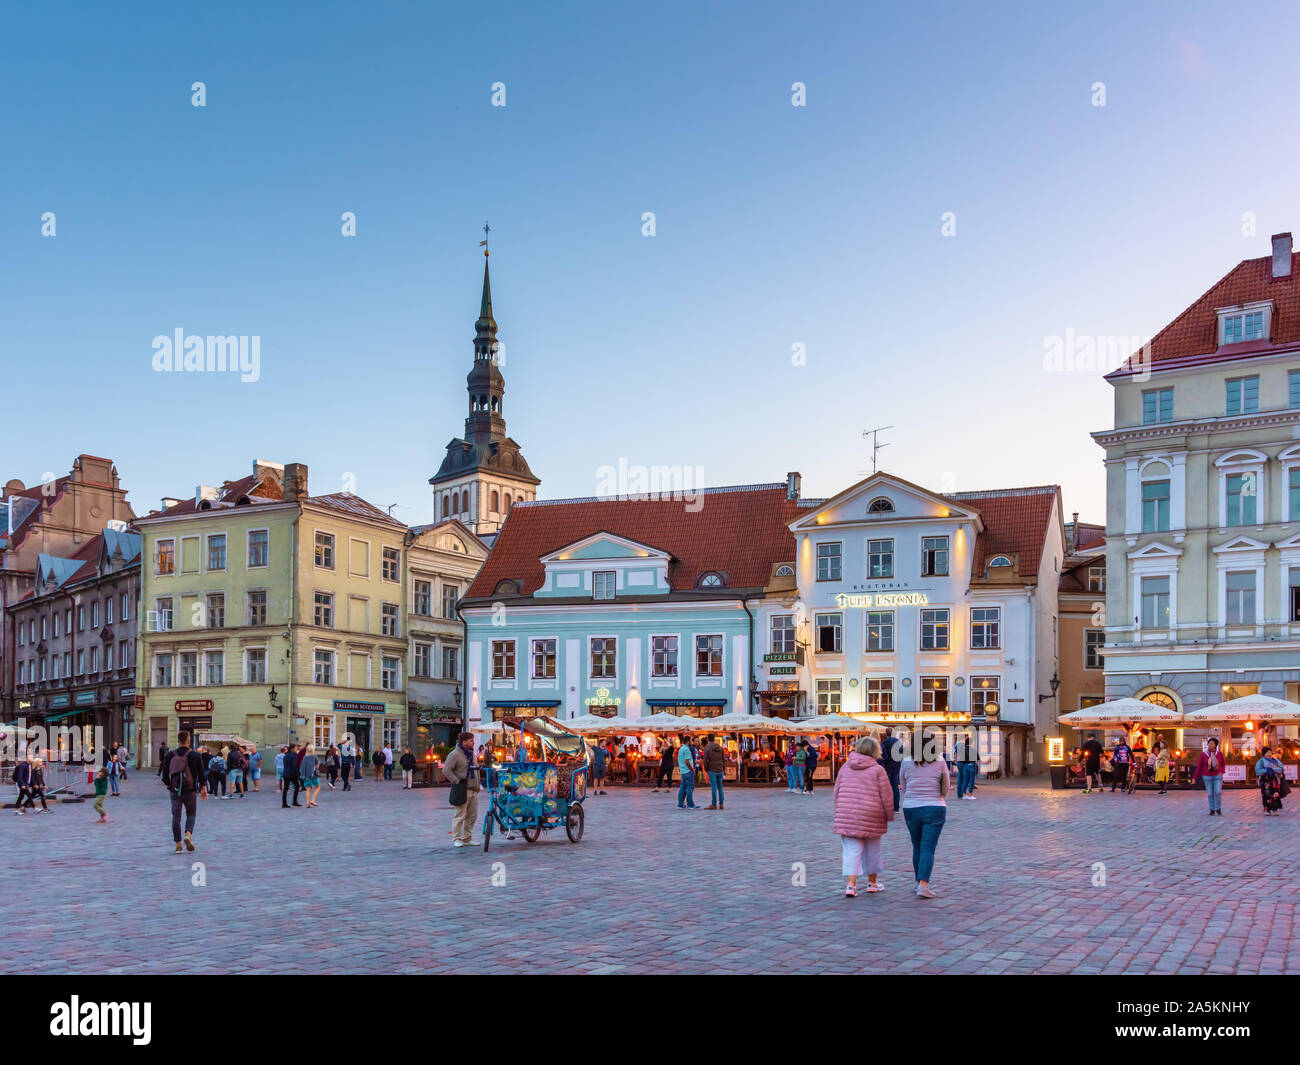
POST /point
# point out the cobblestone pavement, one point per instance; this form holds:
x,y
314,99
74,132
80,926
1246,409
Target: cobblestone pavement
x,y
368,882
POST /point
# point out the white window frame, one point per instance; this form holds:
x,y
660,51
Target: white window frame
x,y
591,662
246,672
676,651
721,655
792,630
554,656
892,623
396,578
513,659
603,575
225,550
316,547
828,558
996,622
946,624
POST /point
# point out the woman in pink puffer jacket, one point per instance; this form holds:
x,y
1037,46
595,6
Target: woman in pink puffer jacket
x,y
864,806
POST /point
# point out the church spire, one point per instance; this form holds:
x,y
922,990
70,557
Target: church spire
x,y
485,384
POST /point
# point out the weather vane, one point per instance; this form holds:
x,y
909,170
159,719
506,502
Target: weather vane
x,y
484,242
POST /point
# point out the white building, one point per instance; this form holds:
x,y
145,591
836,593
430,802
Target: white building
x,y
919,607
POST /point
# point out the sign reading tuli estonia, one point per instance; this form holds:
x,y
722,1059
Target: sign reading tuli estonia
x,y
882,599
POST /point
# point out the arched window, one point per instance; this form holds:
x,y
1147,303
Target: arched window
x,y
446,505
999,560
880,505
496,502
711,580
785,571
1161,697
508,501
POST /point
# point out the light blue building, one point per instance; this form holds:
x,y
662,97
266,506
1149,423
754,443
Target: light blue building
x,y
626,607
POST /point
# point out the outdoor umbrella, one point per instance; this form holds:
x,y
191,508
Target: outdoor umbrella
x,y
493,727
660,722
736,721
592,723
1247,708
1120,712
836,723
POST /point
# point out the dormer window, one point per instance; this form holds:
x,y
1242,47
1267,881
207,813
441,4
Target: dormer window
x,y
1239,325
880,505
603,583
507,588
999,560
785,571
711,580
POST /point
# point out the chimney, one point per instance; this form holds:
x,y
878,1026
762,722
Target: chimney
x,y
205,491
295,482
1073,546
262,469
1281,254
792,482
168,502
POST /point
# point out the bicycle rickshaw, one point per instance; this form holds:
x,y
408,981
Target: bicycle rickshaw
x,y
534,796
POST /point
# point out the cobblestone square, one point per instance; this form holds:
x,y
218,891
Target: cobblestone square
x,y
369,883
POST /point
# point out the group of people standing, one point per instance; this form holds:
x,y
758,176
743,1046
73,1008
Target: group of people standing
x,y
800,761
872,786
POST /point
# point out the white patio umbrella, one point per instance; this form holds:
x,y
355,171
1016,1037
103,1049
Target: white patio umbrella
x,y
736,721
592,723
494,728
660,722
1247,708
836,723
1122,711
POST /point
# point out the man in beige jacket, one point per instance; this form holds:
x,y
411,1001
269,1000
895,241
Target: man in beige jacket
x,y
458,767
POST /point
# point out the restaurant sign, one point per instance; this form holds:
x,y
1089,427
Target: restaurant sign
x,y
604,711
203,706
778,658
882,599
775,670
57,701
603,698
85,697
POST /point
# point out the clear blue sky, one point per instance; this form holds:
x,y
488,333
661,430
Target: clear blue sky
x,y
776,225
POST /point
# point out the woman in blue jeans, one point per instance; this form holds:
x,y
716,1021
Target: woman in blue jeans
x,y
1209,769
923,783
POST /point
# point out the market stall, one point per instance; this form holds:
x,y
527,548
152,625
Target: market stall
x,y
1254,720
1130,718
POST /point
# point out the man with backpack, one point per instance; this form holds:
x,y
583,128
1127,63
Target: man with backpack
x,y
186,783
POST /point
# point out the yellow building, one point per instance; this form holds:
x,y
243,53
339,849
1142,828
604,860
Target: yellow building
x,y
273,615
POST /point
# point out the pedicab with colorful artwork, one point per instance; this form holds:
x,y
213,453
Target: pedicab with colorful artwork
x,y
543,787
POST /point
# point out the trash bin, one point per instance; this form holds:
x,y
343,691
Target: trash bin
x,y
1058,777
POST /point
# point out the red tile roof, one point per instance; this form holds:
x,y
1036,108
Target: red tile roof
x,y
1015,523
356,507
740,532
1193,337
268,489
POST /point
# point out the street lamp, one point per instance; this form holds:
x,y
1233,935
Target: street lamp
x,y
459,699
1055,683
271,698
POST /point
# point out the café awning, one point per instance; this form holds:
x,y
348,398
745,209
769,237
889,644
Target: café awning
x,y
836,723
1253,708
1122,712
737,721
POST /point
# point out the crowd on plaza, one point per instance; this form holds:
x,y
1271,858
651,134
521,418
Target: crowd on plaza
x,y
1126,765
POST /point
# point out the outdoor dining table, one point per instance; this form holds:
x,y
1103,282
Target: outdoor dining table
x,y
764,772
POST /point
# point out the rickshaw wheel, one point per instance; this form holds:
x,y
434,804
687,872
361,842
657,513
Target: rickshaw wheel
x,y
532,833
574,822
487,833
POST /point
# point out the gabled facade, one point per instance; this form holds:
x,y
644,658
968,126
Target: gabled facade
x,y
1082,595
273,614
57,517
1203,497
916,606
625,607
442,560
74,640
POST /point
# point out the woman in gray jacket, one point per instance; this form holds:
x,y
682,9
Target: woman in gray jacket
x,y
309,771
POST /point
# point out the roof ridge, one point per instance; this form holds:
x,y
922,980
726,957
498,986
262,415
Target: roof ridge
x,y
653,497
992,493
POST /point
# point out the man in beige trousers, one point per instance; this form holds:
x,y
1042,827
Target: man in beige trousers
x,y
458,767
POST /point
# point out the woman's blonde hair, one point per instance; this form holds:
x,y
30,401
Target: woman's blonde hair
x,y
309,749
868,745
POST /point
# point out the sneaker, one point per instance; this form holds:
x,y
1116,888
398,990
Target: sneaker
x,y
179,848
850,892
189,842
713,807
925,892
458,843
874,889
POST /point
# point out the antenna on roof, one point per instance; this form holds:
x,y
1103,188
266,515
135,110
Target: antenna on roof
x,y
876,445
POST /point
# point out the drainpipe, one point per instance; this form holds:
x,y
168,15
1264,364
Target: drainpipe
x,y
289,624
744,601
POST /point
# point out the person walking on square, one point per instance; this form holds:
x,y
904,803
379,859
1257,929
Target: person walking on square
x,y
162,758
123,762
891,759
217,776
864,806
810,767
686,767
309,771
186,784
388,761
1209,768
111,770
599,764
924,781
715,760
235,770
1091,764
346,759
291,777
36,785
255,767
664,779
377,760
1160,752
408,769
460,771
1271,775
359,765
787,760
1121,760
279,768
968,765
101,792
22,781
332,765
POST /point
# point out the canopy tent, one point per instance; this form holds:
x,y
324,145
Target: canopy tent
x,y
1253,708
231,739
1122,712
836,723
737,721
660,722
590,723
494,728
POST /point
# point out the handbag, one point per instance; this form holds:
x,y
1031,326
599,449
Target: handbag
x,y
459,794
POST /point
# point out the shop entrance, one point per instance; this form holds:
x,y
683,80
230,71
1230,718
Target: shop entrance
x,y
360,729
